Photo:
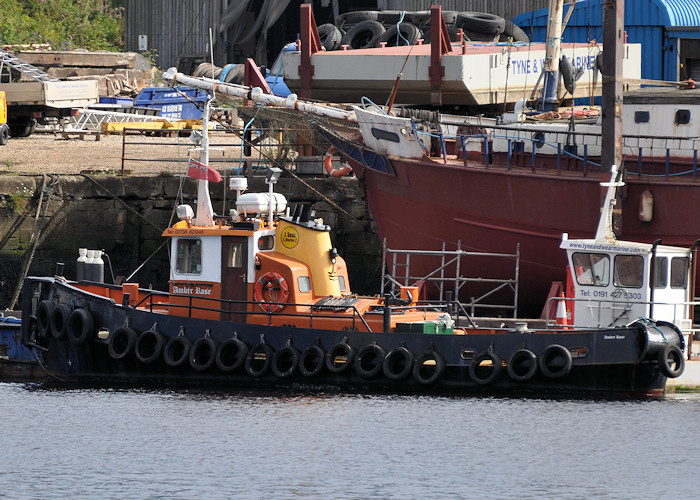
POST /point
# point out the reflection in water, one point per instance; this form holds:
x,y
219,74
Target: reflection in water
x,y
216,444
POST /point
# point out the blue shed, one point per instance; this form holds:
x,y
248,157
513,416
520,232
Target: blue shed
x,y
669,31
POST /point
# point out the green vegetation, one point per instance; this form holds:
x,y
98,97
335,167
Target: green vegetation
x,y
64,24
19,201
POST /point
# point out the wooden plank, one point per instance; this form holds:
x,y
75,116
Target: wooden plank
x,y
81,59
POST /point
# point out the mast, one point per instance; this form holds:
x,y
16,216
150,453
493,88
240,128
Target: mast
x,y
550,101
205,211
613,46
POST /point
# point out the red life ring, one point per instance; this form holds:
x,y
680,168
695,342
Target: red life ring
x,y
330,169
272,282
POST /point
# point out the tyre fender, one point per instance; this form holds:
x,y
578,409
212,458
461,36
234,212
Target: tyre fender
x,y
177,351
522,365
285,362
81,326
340,357
556,361
122,342
428,368
484,374
671,360
369,361
59,321
203,353
258,360
363,35
398,364
312,361
149,346
231,354
43,317
409,35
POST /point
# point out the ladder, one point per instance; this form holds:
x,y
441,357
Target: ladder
x,y
24,67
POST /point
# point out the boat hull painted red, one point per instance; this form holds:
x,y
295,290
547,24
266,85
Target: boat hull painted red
x,y
494,209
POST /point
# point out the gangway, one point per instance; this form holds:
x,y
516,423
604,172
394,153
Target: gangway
x,y
92,119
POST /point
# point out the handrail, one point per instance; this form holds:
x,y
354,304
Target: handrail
x,y
147,302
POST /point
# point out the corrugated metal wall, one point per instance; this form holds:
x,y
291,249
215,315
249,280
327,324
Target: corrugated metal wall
x,y
180,28
646,22
175,28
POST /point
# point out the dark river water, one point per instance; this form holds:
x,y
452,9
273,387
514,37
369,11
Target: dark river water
x,y
93,443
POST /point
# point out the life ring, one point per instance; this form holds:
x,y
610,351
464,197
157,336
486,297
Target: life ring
x,y
43,317
428,368
268,281
485,374
149,346
522,365
312,361
331,171
176,351
80,326
340,357
231,355
284,362
398,364
369,361
556,361
671,361
59,321
203,353
258,360
122,342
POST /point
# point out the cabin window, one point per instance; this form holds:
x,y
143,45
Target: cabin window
x,y
304,284
266,242
235,255
189,256
641,117
592,268
629,271
661,272
682,116
679,272
341,283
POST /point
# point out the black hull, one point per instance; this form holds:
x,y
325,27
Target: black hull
x,y
611,362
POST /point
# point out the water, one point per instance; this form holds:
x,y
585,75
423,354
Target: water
x,y
92,443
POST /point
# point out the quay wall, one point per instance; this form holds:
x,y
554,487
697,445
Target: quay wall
x,y
44,219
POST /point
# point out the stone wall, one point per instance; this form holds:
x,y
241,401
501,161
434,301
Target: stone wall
x,y
45,219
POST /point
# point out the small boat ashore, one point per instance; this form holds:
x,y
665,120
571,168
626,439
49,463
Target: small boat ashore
x,y
259,298
17,364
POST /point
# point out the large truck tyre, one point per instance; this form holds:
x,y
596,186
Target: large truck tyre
x,y
22,128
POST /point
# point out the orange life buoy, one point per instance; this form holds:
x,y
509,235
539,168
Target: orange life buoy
x,y
272,282
330,169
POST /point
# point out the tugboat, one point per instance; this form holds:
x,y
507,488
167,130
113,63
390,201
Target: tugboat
x,y
259,298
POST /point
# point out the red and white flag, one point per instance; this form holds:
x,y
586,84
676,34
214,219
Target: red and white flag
x,y
199,170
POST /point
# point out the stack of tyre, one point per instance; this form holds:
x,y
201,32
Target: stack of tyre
x,y
368,28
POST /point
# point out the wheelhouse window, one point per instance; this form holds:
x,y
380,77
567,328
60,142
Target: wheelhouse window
x,y
679,272
682,116
591,268
189,256
661,272
235,255
266,242
304,284
629,271
641,117
341,283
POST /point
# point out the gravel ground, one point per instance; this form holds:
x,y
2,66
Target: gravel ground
x,y
143,155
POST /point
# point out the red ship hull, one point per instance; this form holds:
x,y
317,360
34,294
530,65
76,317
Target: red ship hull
x,y
427,202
